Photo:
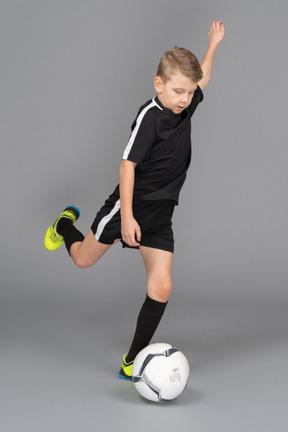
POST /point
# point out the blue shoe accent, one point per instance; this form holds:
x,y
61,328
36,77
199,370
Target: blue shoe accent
x,y
76,208
124,378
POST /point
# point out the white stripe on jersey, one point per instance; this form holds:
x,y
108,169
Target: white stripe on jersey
x,y
135,130
106,219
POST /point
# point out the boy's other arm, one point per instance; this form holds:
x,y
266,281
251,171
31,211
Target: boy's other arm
x,y
129,225
215,36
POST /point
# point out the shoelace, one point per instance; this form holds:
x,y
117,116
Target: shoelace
x,y
54,235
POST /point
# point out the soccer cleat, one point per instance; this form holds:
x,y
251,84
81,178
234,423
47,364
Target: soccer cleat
x,y
53,240
126,369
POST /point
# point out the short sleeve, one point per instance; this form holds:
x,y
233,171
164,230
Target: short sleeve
x,y
141,139
197,98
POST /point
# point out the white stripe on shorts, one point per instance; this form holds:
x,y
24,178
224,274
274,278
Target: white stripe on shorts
x,y
106,219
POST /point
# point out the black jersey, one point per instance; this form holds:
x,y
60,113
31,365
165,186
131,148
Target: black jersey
x,y
160,144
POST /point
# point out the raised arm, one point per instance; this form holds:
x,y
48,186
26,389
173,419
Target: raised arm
x,y
215,36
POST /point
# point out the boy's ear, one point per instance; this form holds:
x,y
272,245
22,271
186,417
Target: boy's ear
x,y
158,84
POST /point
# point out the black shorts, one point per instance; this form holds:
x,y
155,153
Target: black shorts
x,y
153,216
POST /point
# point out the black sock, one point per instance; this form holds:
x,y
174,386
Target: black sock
x,y
147,323
69,232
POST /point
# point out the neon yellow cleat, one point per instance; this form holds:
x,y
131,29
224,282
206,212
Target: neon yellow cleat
x,y
53,240
126,369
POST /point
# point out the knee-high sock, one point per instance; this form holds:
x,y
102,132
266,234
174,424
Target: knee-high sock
x,y
147,323
69,232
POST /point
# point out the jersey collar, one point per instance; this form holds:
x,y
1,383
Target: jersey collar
x,y
166,110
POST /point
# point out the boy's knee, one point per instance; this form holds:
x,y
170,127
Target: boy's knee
x,y
81,262
161,289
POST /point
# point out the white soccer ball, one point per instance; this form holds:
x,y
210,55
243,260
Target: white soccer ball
x,y
160,372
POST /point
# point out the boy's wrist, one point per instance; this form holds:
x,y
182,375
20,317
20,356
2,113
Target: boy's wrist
x,y
126,213
213,45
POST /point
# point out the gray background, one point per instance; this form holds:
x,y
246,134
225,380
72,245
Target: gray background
x,y
73,75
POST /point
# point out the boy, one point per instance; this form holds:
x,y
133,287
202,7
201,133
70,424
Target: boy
x,y
152,172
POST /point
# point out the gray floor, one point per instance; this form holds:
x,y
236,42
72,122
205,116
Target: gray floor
x,y
59,361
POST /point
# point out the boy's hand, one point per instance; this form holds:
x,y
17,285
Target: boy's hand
x,y
216,33
130,231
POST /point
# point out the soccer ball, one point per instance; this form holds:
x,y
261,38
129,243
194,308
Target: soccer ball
x,y
160,372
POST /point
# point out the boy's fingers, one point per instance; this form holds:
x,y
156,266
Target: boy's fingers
x,y
138,234
133,243
217,24
131,240
221,25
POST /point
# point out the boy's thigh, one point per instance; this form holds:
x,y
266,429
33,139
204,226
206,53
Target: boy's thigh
x,y
158,265
91,250
158,262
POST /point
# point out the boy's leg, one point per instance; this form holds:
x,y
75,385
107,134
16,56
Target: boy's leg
x,y
87,252
158,265
84,251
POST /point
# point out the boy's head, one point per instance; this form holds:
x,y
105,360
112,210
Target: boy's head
x,y
179,60
177,76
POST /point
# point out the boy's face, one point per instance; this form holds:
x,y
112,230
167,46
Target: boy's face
x,y
177,93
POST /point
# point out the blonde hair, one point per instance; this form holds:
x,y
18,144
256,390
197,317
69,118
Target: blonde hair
x,y
179,59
